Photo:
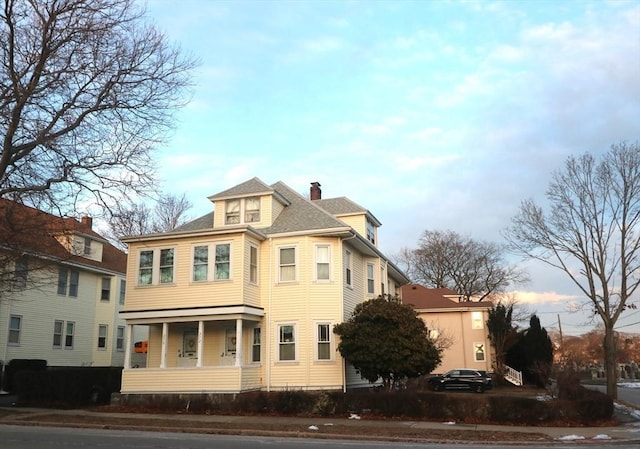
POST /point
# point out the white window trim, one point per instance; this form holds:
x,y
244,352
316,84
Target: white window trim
x,y
477,323
253,344
62,329
155,267
211,261
256,281
295,264
372,278
242,212
121,339
348,280
316,326
296,342
106,337
66,334
475,352
19,330
315,261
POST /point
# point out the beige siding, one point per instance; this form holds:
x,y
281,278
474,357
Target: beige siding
x,y
456,328
357,222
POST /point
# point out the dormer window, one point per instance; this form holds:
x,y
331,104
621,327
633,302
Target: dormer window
x,y
242,211
87,246
233,212
371,232
252,210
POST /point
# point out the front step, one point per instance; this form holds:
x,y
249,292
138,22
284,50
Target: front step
x,y
513,376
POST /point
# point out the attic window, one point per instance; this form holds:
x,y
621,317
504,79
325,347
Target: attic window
x,y
371,232
233,212
252,210
87,246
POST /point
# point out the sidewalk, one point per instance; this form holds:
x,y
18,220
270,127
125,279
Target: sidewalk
x,y
342,428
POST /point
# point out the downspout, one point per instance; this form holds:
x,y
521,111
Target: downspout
x,y
268,317
344,362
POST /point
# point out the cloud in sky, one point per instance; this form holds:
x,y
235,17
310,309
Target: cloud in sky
x,y
433,115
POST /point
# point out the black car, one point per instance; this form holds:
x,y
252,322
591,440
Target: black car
x,y
462,379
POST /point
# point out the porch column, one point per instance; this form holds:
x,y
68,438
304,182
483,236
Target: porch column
x,y
163,350
200,343
127,346
239,342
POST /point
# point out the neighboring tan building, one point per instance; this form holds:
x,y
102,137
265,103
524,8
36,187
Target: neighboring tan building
x,y
246,297
61,290
461,325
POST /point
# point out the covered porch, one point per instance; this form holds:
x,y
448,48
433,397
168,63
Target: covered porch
x,y
213,350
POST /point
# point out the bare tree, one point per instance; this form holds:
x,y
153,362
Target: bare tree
x,y
87,88
591,233
168,213
474,269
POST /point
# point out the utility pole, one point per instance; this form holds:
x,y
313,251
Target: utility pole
x,y
561,340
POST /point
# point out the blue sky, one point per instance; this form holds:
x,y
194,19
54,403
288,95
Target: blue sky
x,y
432,114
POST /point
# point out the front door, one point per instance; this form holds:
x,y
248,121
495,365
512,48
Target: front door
x,y
229,355
189,354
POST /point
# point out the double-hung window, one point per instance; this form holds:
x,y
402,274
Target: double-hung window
x,y
145,269
20,273
15,328
200,263
347,268
166,266
102,336
123,290
286,343
202,269
256,344
476,320
232,212
253,264
370,279
68,281
251,210
324,341
68,339
322,263
156,266
223,262
287,264
58,326
120,338
105,292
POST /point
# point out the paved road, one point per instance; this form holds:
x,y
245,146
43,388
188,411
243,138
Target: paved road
x,y
629,395
18,437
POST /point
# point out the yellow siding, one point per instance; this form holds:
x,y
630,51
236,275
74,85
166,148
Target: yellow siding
x,y
357,222
181,380
184,292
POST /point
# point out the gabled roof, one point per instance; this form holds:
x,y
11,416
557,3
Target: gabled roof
x,y
344,206
422,298
31,231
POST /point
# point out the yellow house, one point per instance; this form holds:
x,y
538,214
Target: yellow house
x,y
460,326
246,297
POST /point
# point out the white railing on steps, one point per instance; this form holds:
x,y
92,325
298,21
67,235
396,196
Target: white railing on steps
x,y
513,376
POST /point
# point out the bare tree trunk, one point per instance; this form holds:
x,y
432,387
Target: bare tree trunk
x,y
610,361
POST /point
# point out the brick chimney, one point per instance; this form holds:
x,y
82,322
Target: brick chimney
x,y
316,193
87,221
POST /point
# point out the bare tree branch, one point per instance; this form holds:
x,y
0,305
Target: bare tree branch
x,y
591,232
87,88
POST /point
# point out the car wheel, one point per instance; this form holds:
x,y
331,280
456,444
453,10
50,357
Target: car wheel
x,y
479,388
